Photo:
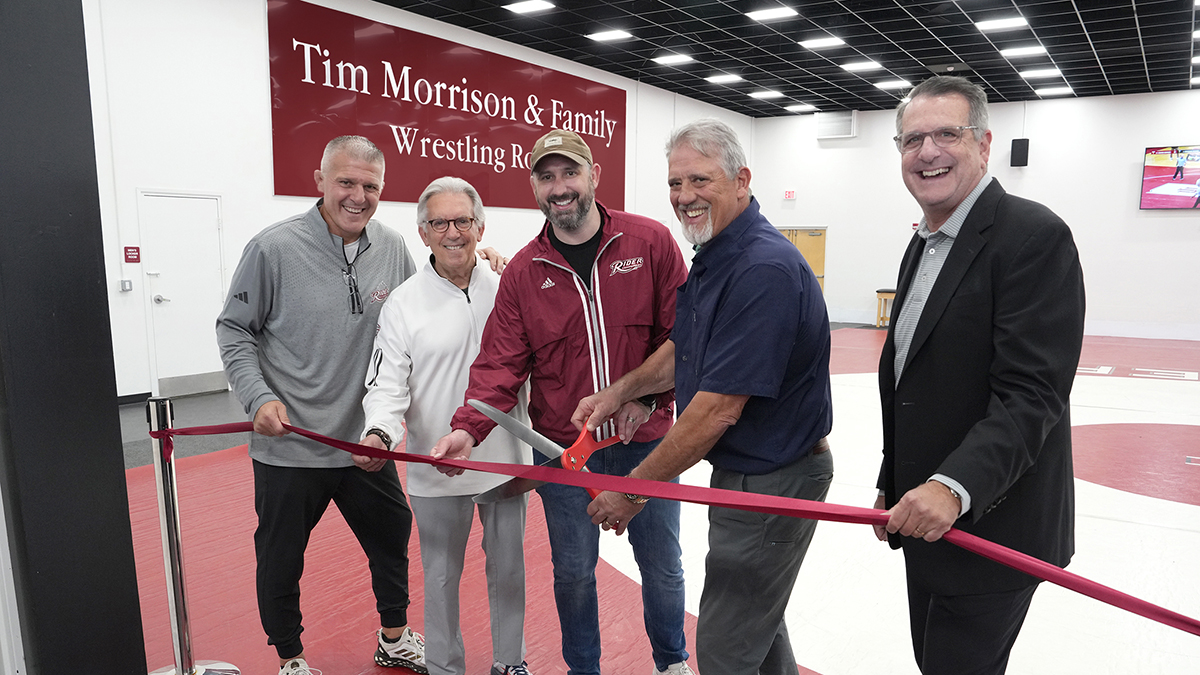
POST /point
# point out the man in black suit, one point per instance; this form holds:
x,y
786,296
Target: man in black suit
x,y
974,379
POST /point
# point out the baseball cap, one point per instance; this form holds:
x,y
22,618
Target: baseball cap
x,y
561,142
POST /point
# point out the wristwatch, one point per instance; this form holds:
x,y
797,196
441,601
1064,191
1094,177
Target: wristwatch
x,y
650,401
375,431
635,499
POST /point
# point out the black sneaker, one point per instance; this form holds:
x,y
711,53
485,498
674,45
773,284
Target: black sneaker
x,y
501,669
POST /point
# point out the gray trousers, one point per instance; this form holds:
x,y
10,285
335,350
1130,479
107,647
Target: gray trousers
x,y
443,525
752,563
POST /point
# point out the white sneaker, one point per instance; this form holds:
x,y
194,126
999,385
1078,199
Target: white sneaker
x,y
297,666
680,668
407,652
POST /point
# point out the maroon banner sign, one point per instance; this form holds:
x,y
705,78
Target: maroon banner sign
x,y
434,107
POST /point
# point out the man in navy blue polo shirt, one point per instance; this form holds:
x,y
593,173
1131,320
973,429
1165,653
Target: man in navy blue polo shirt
x,y
749,360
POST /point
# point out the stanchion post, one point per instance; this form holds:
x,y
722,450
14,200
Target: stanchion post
x,y
159,414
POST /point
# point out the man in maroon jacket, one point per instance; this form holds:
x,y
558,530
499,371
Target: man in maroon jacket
x,y
581,305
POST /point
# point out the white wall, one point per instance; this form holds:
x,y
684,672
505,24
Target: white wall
x,y
1085,163
181,98
181,103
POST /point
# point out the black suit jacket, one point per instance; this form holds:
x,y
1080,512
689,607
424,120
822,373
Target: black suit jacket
x,y
983,397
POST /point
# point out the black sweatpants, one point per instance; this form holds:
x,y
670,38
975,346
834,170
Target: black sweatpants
x,y
290,502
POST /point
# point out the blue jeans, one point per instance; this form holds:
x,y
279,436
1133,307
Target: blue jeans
x,y
575,548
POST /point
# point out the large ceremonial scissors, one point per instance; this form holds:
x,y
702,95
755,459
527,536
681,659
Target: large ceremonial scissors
x,y
574,458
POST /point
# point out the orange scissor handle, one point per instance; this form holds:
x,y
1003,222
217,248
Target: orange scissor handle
x,y
576,456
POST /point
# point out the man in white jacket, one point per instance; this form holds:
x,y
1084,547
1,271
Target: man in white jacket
x,y
428,336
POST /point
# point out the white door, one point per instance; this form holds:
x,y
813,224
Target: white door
x,y
181,257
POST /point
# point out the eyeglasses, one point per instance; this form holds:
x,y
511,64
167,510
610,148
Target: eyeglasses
x,y
356,304
945,137
461,224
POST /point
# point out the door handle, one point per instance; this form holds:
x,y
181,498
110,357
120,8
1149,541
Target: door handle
x,y
159,299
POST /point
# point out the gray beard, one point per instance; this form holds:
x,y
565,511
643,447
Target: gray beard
x,y
700,237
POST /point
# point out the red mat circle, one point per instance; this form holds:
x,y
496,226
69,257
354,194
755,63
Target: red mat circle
x,y
1146,459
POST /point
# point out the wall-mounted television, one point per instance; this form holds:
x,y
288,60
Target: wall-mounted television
x,y
1171,177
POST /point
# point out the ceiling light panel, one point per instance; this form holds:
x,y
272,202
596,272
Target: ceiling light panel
x,y
1002,24
723,78
766,93
822,43
894,84
672,59
772,14
1053,91
610,36
801,107
1018,52
529,6
858,66
1040,73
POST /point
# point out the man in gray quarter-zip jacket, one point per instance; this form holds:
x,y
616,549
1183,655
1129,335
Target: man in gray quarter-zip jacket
x,y
295,336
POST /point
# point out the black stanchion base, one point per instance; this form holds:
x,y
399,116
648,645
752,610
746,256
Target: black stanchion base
x,y
203,668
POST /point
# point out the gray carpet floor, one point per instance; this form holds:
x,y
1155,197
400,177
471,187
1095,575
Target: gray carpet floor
x,y
190,411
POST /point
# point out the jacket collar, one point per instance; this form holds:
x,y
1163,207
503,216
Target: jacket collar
x,y
319,230
967,246
727,243
440,281
542,248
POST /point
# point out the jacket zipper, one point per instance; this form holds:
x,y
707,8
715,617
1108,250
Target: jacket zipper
x,y
592,313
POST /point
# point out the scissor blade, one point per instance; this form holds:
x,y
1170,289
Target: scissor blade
x,y
517,428
514,486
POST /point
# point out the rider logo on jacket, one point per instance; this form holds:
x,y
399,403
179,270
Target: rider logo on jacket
x,y
380,293
625,266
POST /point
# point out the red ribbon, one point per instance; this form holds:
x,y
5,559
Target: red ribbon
x,y
745,501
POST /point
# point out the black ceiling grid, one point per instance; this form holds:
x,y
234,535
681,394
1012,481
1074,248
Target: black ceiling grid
x,y
1101,47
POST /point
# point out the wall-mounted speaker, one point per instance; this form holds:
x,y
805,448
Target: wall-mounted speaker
x,y
1020,152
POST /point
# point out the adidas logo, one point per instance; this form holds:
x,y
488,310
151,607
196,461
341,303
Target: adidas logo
x,y
547,283
244,296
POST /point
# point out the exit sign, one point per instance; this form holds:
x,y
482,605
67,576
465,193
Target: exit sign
x,y
789,194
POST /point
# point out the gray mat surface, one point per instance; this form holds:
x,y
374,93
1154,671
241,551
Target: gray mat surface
x,y
190,411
